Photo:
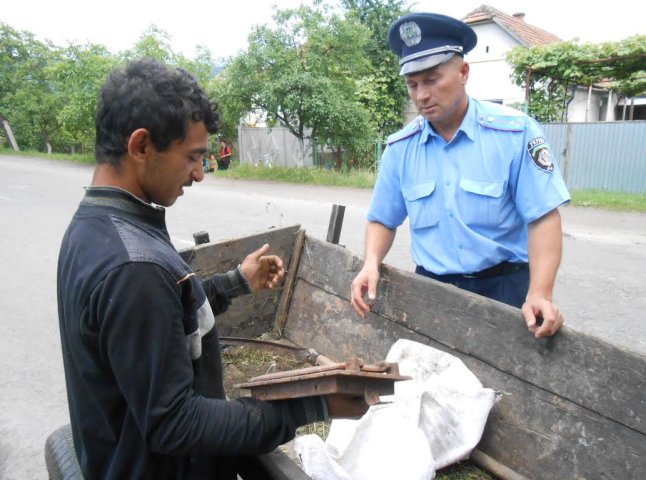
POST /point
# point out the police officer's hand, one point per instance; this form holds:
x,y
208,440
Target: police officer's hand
x,y
346,406
543,318
365,282
263,271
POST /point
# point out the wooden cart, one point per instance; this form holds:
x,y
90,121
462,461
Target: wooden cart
x,y
572,406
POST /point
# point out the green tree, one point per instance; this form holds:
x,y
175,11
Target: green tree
x,y
78,76
303,74
27,98
549,72
382,91
156,43
152,43
48,94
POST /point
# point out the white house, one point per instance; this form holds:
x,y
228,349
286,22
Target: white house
x,y
497,34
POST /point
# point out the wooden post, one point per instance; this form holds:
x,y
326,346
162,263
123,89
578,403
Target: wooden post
x,y
201,238
10,137
528,79
587,105
336,223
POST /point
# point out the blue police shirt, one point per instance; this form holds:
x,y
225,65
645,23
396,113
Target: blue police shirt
x,y
468,201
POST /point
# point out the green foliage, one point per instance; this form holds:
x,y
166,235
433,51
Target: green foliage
x,y
153,43
304,74
323,75
382,91
48,94
78,75
27,97
553,70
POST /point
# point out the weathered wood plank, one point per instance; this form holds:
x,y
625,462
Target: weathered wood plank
x,y
251,315
572,405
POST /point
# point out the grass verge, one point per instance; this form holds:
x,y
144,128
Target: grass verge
x,y
306,176
633,202
77,157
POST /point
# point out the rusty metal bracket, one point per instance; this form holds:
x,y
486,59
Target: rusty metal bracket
x,y
349,378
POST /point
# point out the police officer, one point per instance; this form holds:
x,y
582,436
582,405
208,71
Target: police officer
x,y
475,179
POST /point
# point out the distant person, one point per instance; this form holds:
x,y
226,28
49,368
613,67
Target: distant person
x,y
206,163
475,179
225,156
139,338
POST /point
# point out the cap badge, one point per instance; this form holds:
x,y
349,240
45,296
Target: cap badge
x,y
410,33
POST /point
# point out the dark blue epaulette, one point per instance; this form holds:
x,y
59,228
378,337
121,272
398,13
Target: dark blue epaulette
x,y
409,130
509,123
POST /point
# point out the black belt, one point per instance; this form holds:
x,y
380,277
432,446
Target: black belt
x,y
504,268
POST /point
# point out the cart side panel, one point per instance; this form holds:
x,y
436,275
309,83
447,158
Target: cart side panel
x,y
250,315
572,406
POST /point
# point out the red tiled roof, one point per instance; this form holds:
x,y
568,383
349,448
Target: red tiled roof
x,y
525,33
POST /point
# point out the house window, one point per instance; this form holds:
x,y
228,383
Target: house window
x,y
487,49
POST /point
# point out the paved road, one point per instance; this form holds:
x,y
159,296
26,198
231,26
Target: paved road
x,y
601,285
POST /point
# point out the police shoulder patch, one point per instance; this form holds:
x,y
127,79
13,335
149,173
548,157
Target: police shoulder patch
x,y
540,154
409,130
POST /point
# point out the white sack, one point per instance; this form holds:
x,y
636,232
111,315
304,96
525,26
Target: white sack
x,y
434,420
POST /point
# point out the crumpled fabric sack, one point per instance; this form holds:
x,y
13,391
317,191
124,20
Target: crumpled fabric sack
x,y
431,421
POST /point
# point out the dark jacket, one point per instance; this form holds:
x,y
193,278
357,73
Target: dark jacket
x,y
141,353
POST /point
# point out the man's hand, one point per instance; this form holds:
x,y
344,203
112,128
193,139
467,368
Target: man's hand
x,y
543,318
365,281
346,406
544,247
263,271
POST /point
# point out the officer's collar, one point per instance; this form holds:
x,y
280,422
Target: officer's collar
x,y
467,127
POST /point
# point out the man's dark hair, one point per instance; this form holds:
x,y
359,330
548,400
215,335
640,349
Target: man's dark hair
x,y
148,94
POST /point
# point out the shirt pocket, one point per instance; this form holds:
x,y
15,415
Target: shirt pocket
x,y
481,202
421,205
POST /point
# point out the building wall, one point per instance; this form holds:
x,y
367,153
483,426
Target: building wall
x,y
489,77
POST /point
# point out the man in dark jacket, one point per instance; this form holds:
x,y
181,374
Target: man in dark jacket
x,y
140,347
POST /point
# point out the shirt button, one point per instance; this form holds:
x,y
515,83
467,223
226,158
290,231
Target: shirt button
x,y
448,183
460,246
451,214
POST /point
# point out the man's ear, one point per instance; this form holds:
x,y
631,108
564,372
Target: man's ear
x,y
139,145
464,72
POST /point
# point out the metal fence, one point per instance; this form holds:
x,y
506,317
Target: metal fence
x,y
602,155
273,147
